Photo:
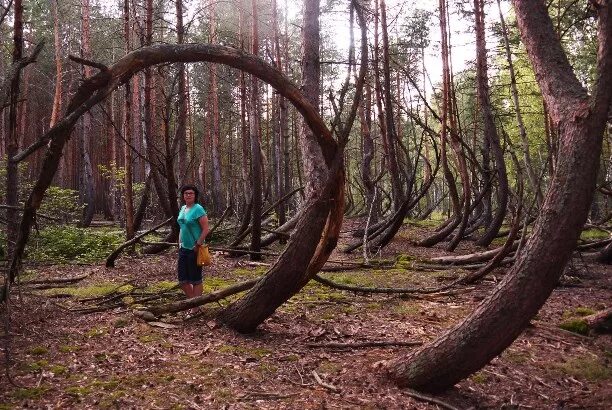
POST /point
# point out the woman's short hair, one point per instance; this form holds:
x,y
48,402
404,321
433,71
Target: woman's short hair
x,y
189,188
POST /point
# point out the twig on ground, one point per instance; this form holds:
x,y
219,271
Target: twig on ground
x,y
56,280
323,384
429,399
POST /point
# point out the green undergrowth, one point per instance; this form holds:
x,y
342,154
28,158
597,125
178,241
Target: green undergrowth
x,y
588,367
61,244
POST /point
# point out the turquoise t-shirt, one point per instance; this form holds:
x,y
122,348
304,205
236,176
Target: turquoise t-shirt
x,y
189,224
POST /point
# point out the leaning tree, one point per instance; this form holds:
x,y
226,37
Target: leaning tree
x,y
580,120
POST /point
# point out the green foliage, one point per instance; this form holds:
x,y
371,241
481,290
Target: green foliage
x,y
62,203
65,244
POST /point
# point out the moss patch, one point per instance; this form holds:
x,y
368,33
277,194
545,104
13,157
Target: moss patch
x,y
576,326
39,350
93,291
586,367
29,393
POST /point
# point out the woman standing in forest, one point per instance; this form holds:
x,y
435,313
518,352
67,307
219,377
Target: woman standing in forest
x,y
193,222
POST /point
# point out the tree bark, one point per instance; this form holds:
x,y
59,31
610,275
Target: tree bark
x,y
255,140
12,140
580,120
86,181
57,96
217,185
128,132
490,132
531,174
181,119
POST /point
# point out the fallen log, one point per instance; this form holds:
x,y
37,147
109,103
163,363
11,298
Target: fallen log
x,y
600,322
470,258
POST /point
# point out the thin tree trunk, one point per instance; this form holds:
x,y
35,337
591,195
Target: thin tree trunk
x,y
12,140
392,136
128,132
531,174
86,182
490,132
181,120
217,187
255,136
57,97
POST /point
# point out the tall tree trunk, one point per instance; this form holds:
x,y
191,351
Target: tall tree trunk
x,y
447,115
181,120
280,122
86,181
490,132
57,96
256,163
12,140
392,136
322,216
128,131
217,187
311,74
581,120
244,128
531,174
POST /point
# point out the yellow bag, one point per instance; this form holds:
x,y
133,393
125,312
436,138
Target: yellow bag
x,y
203,256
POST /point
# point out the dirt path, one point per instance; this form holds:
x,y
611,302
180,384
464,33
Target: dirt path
x,y
111,359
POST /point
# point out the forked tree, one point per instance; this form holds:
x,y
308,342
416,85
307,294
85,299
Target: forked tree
x,y
580,121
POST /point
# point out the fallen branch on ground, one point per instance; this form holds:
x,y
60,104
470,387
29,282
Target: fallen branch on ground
x,y
110,261
201,300
429,399
323,384
55,281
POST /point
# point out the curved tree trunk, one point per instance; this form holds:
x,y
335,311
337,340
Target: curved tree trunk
x,y
501,318
318,228
96,89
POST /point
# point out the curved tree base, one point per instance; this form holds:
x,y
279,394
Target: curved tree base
x,y
501,318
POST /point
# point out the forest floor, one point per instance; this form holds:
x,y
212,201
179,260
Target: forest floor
x,y
61,357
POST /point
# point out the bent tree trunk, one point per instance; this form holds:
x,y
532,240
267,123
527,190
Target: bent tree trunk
x,y
318,228
500,318
98,87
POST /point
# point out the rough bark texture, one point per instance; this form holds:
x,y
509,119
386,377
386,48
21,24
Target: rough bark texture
x,y
580,121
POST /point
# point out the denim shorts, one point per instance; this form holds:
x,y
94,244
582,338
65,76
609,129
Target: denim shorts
x,y
188,270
